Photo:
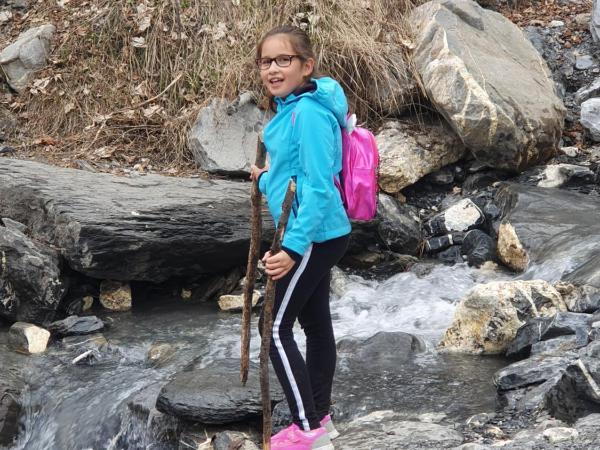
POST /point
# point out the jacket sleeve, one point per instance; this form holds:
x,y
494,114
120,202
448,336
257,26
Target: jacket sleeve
x,y
314,134
262,182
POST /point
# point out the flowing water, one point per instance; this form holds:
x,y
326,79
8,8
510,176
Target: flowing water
x,y
85,406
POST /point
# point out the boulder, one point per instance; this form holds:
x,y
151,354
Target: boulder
x,y
541,328
556,346
582,299
478,248
26,55
408,153
223,138
383,349
75,325
31,284
214,395
590,113
503,105
28,338
159,354
550,231
399,225
149,228
487,319
559,175
534,370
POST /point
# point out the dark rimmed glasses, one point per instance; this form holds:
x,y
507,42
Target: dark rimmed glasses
x,y
280,60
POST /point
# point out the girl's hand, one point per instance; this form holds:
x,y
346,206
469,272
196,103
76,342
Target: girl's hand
x,y
278,265
255,171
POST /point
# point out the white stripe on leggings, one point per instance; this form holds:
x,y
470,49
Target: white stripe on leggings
x,y
282,355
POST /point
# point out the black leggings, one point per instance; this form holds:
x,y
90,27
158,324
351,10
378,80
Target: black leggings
x,y
303,293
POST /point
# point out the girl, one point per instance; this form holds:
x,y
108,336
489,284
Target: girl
x,y
304,143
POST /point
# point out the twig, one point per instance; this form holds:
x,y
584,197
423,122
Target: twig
x,y
267,312
253,254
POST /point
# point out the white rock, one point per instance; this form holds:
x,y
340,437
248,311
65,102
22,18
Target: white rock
x,y
590,117
570,151
560,434
556,24
556,175
234,303
28,338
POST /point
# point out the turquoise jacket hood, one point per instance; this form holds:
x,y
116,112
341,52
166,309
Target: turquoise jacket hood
x,y
304,143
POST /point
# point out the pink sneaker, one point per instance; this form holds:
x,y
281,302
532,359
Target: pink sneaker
x,y
293,438
327,423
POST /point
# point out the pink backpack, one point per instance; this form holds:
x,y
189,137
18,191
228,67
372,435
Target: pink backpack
x,y
358,179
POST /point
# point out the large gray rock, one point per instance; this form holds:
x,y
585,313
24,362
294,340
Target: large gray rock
x,y
487,319
399,226
408,152
551,232
223,139
595,21
534,370
149,228
590,117
558,175
31,286
383,349
502,104
75,325
26,55
214,395
381,430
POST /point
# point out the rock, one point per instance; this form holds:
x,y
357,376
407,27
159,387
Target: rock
x,y
235,303
28,338
595,22
506,109
407,154
587,92
223,138
487,319
582,299
452,255
26,55
556,24
590,117
584,62
534,370
150,228
556,346
8,123
214,395
541,328
159,354
462,216
558,175
396,434
14,225
215,286
399,227
383,349
115,295
479,248
11,408
571,152
31,285
593,349
560,434
73,325
231,439
339,281
552,230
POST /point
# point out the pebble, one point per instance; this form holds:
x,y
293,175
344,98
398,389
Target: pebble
x,y
556,24
584,62
570,151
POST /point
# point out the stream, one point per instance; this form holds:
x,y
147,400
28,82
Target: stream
x,y
85,406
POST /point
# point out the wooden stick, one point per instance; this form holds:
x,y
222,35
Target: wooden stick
x,y
267,315
253,255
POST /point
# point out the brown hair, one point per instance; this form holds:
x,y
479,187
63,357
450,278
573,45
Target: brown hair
x,y
300,42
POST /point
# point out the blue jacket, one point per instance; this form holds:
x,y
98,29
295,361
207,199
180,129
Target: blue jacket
x,y
304,143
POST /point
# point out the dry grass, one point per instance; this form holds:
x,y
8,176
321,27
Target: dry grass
x,y
127,78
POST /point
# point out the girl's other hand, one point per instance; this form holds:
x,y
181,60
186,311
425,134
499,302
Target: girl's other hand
x,y
278,265
255,171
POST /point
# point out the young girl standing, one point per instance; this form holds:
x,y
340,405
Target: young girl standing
x,y
304,143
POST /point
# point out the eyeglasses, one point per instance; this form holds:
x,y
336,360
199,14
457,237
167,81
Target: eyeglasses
x,y
281,61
